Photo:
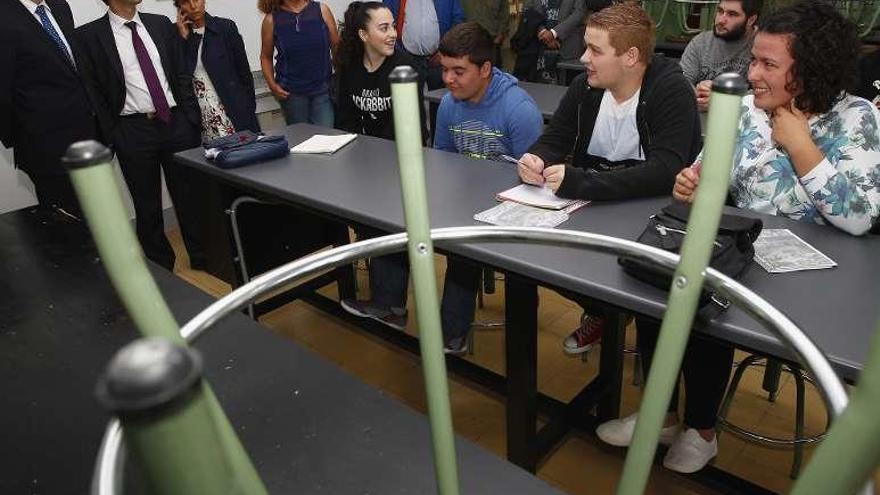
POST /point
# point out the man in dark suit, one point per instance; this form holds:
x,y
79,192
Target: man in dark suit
x,y
43,103
143,97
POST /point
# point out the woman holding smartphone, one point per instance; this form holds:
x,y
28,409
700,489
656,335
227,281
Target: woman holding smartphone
x,y
215,56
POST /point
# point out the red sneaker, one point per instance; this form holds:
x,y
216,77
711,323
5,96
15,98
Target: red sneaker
x,y
586,335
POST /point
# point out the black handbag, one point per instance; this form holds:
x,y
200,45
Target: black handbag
x,y
732,253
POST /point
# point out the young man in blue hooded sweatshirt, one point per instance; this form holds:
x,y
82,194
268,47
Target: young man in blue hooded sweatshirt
x,y
484,115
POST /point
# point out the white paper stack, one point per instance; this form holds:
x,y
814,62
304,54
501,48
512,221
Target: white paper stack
x,y
322,143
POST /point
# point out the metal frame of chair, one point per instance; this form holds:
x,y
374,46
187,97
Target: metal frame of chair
x,y
232,211
798,441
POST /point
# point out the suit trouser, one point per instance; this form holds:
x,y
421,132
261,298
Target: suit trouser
x,y
56,191
145,146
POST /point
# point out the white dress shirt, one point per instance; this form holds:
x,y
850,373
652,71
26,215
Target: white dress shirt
x,y
137,95
32,8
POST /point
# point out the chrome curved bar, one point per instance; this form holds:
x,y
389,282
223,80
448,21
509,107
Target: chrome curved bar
x,y
829,384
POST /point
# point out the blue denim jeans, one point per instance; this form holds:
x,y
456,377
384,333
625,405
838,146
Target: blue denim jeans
x,y
389,278
315,109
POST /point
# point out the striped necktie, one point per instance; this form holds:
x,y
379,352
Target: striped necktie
x,y
53,34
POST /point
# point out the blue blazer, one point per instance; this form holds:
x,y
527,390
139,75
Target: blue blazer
x,y
449,13
225,60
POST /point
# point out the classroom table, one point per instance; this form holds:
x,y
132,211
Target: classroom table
x,y
360,184
546,96
308,426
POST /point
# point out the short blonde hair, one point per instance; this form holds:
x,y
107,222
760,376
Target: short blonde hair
x,y
627,25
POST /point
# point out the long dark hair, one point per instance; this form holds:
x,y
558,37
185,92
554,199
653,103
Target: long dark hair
x,y
825,47
351,47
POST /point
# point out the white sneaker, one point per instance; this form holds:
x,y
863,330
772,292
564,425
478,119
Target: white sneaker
x,y
619,432
690,453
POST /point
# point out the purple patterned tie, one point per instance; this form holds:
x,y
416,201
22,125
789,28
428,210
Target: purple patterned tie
x,y
163,113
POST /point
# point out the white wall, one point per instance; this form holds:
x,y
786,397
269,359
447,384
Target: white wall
x,y
243,12
16,191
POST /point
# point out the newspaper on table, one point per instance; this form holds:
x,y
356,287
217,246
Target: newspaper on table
x,y
781,251
512,214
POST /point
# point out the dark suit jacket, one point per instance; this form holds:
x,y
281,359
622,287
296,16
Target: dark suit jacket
x,y
101,68
43,103
225,60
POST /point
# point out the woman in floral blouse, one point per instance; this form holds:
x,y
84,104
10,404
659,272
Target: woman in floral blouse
x,y
806,150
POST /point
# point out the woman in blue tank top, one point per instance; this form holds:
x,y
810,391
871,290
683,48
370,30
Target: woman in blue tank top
x,y
299,34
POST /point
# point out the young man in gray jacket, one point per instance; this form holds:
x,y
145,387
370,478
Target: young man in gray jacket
x,y
727,48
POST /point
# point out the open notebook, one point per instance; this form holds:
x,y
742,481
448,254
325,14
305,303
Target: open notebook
x,y
322,143
540,197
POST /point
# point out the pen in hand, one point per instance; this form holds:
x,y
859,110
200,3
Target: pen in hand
x,y
524,166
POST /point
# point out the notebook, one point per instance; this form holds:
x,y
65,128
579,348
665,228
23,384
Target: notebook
x,y
322,143
540,197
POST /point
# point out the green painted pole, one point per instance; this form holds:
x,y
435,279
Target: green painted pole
x,y
845,461
687,282
155,388
92,175
408,134
98,192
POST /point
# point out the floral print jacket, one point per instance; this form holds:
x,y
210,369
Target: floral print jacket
x,y
843,190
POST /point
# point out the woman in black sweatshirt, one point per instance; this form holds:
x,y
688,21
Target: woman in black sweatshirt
x,y
365,58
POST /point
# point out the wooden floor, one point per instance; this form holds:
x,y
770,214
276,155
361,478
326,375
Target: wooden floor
x,y
581,464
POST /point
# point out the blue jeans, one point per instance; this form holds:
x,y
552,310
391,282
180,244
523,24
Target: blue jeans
x,y
315,109
389,277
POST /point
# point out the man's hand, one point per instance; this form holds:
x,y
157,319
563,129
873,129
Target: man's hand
x,y
546,36
686,183
183,25
530,168
499,39
553,176
703,90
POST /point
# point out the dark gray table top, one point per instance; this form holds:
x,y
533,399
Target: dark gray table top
x,y
837,308
547,96
309,427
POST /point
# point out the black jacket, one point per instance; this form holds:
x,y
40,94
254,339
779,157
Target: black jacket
x,y
225,60
43,103
669,133
101,69
364,98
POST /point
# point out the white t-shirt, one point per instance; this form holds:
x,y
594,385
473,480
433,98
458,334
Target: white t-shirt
x,y
616,133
